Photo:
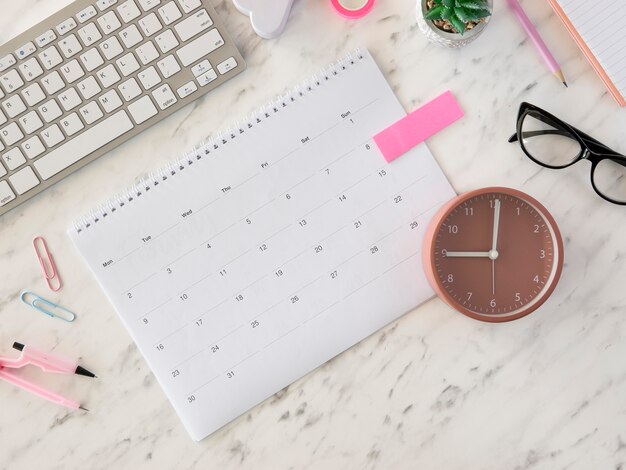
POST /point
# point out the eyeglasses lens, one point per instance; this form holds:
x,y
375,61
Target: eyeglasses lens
x,y
609,178
548,141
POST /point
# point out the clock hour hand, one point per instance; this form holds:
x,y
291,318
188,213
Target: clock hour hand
x,y
467,254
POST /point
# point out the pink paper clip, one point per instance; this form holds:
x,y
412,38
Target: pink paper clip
x,y
49,270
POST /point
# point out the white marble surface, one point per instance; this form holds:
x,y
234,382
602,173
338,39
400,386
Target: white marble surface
x,y
432,390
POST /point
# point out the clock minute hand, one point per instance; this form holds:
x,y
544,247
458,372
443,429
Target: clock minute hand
x,y
496,226
467,254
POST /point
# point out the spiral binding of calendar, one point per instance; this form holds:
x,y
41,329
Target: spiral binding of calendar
x,y
214,143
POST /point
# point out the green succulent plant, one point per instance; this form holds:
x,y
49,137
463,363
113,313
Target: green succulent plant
x,y
459,12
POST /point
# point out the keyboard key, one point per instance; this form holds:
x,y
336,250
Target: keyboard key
x,y
207,77
70,46
89,34
52,136
53,83
91,112
168,66
14,106
227,65
30,69
189,5
147,53
149,78
88,87
150,25
6,62
3,119
127,64
164,97
108,76
33,147
50,110
26,50
166,41
142,109
110,101
86,14
69,99
11,81
200,47
91,59
169,13
46,38
24,180
130,89
128,11
186,90
104,4
50,57
131,36
66,26
84,144
33,94
71,124
149,4
6,194
13,158
193,25
201,68
31,122
109,22
111,48
72,71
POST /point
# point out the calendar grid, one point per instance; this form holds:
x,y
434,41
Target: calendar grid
x,y
270,249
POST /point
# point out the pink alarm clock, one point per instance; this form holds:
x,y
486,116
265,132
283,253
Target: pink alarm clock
x,y
494,254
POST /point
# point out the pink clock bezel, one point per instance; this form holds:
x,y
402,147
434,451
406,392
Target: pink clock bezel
x,y
428,255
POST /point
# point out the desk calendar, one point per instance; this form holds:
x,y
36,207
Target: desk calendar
x,y
271,248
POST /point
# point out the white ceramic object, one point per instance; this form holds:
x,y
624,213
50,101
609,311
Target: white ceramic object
x,y
444,39
268,17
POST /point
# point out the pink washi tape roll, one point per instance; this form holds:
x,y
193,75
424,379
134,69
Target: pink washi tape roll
x,y
353,13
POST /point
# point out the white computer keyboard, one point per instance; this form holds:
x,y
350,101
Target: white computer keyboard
x,y
94,75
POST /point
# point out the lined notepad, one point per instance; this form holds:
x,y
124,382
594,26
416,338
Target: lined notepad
x,y
270,249
598,28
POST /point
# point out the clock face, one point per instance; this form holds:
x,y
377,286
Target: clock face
x,y
495,254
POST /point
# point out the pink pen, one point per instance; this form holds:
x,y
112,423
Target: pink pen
x,y
555,68
48,363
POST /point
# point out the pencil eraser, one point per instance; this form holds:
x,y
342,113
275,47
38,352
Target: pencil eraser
x,y
418,126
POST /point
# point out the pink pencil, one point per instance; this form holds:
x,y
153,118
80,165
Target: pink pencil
x,y
553,65
48,363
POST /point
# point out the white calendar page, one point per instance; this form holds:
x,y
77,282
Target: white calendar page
x,y
273,249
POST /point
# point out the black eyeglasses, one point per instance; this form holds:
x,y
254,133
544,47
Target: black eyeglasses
x,y
553,143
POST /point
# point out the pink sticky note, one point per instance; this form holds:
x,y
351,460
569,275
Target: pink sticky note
x,y
418,126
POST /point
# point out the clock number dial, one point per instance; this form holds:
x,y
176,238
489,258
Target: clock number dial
x,y
494,254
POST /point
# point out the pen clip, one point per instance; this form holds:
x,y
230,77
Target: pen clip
x,y
56,311
44,256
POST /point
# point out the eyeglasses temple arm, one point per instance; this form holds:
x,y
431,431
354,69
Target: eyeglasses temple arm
x,y
585,137
514,138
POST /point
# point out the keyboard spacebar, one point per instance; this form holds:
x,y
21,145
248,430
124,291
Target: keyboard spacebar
x,y
84,144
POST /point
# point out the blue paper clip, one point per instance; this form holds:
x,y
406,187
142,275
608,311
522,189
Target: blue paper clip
x,y
55,311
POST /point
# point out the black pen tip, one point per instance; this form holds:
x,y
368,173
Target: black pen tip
x,y
565,83
18,346
84,409
82,371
